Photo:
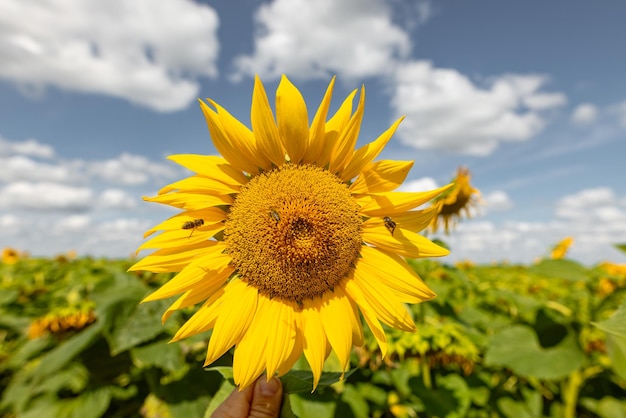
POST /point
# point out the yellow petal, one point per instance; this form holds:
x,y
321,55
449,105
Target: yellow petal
x,y
224,143
242,136
181,238
344,148
381,176
293,120
281,342
208,215
212,167
264,126
405,243
333,129
318,127
191,201
193,297
239,305
172,259
366,154
387,204
355,293
249,359
296,351
315,342
411,221
335,311
384,303
393,272
200,184
204,318
203,272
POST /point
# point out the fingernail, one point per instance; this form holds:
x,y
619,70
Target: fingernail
x,y
269,388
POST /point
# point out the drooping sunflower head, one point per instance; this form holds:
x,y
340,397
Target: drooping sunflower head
x,y
289,234
455,202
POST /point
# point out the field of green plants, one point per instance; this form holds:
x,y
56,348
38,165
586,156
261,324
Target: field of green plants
x,y
540,340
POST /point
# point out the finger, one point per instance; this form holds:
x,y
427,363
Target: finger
x,y
267,398
236,405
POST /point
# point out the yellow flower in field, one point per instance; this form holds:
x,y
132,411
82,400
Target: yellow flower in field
x,y
287,234
61,321
560,250
10,255
613,269
455,202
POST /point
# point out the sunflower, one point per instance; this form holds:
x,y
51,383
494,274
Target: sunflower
x,y
455,202
560,250
10,255
288,234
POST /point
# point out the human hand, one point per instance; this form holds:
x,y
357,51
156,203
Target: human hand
x,y
260,400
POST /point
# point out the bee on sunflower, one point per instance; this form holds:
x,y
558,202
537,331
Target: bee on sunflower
x,y
294,242
455,202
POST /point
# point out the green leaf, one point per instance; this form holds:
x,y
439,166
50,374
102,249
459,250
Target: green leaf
x,y
159,354
616,348
312,406
358,404
223,392
616,323
302,380
58,357
621,247
143,324
517,348
561,269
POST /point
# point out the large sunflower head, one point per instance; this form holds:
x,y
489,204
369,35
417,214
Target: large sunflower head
x,y
288,234
455,202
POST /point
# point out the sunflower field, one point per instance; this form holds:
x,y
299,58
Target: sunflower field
x,y
501,340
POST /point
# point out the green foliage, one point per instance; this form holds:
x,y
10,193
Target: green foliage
x,y
498,341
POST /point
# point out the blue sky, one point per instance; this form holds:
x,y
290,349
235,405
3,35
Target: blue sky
x,y
530,96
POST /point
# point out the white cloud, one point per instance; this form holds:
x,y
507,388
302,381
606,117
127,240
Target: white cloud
x,y
315,39
621,113
44,196
423,184
18,168
146,51
116,199
595,218
445,110
584,113
71,224
129,169
30,147
497,201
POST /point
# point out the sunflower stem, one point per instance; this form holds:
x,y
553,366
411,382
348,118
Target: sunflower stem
x,y
426,378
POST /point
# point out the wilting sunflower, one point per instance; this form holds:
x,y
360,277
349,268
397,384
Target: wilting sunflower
x,y
455,202
287,233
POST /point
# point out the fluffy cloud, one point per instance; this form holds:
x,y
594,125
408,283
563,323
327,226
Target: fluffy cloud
x,y
497,201
584,113
30,147
116,199
420,185
595,218
45,196
445,110
313,39
145,51
129,169
19,167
